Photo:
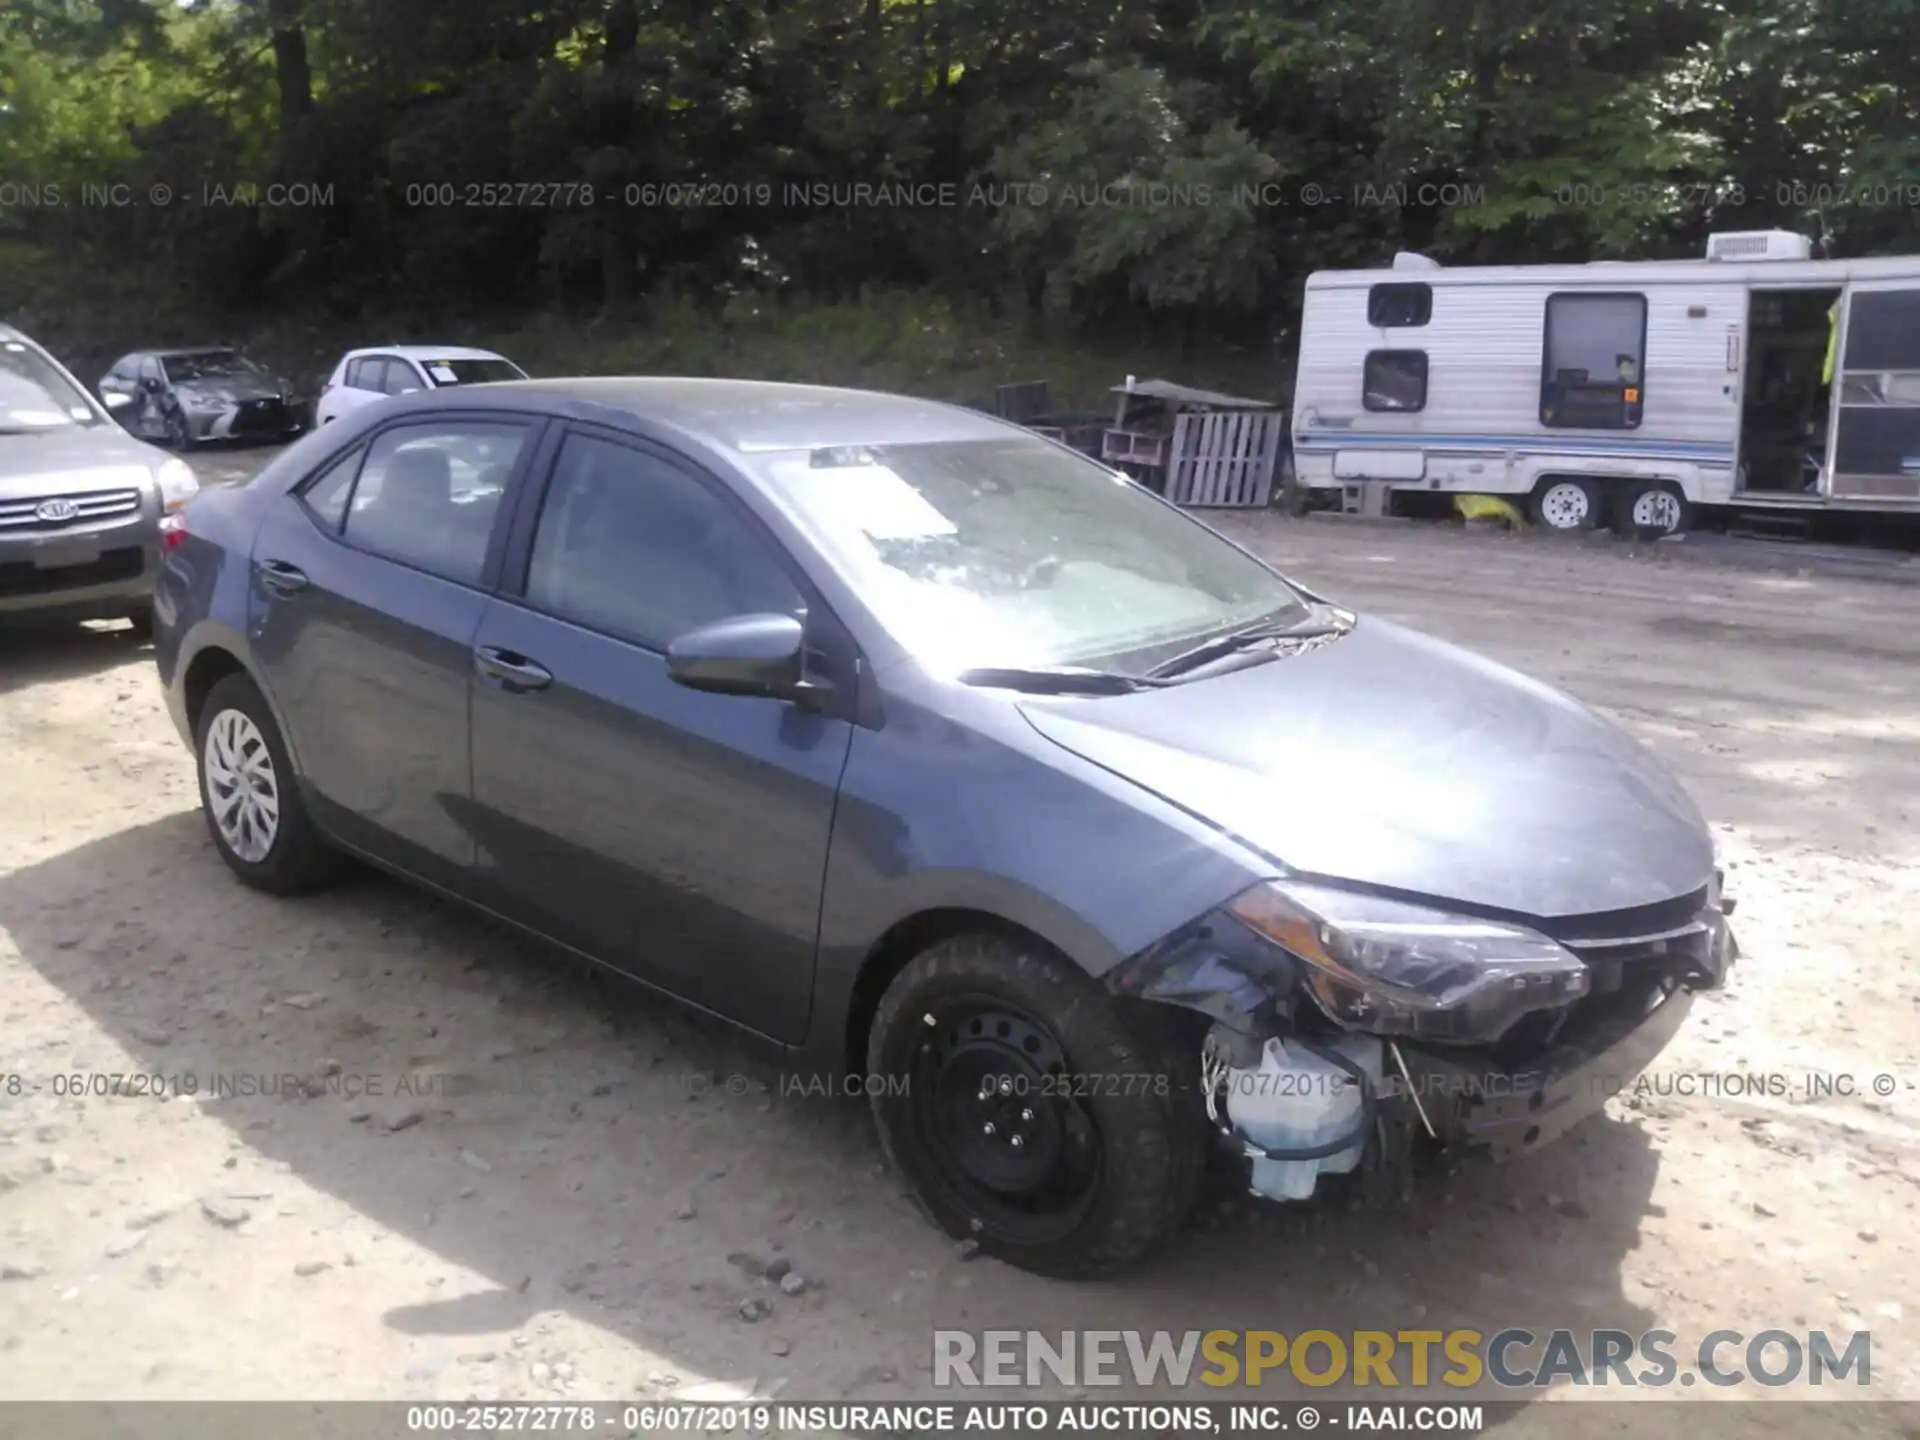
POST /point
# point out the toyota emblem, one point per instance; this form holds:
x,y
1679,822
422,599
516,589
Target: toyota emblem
x,y
56,510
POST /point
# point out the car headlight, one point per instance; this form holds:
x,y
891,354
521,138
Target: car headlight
x,y
178,484
1390,968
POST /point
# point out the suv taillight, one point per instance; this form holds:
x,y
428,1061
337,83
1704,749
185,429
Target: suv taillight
x,y
173,532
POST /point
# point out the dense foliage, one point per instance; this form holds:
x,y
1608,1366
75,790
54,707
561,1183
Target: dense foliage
x,y
1078,157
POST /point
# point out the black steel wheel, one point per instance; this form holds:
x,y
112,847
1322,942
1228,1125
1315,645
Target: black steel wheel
x,y
1032,1112
995,1117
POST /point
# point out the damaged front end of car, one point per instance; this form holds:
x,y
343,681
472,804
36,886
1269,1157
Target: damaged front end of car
x,y
1357,1032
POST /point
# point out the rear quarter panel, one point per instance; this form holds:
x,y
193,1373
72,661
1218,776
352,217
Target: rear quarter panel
x,y
203,592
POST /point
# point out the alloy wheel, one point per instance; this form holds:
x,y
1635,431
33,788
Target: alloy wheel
x,y
243,792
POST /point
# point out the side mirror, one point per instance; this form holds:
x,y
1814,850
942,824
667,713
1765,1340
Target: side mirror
x,y
746,655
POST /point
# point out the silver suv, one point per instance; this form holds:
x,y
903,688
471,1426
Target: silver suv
x,y
81,501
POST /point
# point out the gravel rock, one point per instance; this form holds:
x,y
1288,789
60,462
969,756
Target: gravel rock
x,y
308,1268
224,1212
753,1310
793,1283
473,1161
125,1244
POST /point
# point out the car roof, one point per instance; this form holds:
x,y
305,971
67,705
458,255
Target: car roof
x,y
178,350
748,416
426,352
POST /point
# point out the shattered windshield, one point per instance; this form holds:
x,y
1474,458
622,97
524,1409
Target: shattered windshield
x,y
209,365
1017,552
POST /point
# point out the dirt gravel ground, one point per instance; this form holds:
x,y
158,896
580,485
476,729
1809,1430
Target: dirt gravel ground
x,y
516,1181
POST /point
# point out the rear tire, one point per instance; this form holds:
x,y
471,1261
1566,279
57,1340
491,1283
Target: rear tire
x,y
1566,504
1085,1151
251,795
1652,509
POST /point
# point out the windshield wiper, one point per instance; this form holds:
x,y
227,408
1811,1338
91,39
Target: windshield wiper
x,y
1063,680
1311,628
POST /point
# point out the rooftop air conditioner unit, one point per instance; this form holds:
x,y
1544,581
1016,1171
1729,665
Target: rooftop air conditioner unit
x,y
1408,260
1759,245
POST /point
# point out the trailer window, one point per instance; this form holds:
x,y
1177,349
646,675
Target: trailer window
x,y
1593,373
1392,307
1395,380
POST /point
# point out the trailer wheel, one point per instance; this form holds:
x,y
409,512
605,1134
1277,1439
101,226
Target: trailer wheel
x,y
1651,509
1566,503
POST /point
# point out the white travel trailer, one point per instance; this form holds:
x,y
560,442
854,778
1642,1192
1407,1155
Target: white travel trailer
x,y
1617,392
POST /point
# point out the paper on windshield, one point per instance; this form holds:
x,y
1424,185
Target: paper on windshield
x,y
443,373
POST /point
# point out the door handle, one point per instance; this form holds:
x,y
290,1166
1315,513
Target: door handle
x,y
280,576
514,671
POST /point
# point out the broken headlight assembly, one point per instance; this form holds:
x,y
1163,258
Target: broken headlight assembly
x,y
1386,967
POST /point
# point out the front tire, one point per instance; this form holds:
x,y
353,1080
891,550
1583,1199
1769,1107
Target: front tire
x,y
1031,1111
1566,504
251,795
179,433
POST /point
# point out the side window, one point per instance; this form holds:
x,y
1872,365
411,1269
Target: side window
x,y
123,368
401,377
325,495
1393,306
1395,380
1591,376
363,374
636,548
428,494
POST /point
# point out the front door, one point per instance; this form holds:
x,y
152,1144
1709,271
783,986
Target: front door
x,y
367,585
1875,450
678,835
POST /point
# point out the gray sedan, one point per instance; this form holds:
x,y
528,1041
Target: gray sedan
x,y
186,397
973,777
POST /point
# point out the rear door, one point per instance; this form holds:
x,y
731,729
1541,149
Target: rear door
x,y
678,835
368,582
1875,449
365,381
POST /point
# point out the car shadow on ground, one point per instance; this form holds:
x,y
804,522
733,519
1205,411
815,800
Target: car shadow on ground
x,y
43,654
586,1147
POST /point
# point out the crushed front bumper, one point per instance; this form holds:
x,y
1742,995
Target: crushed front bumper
x,y
1541,1079
1482,1108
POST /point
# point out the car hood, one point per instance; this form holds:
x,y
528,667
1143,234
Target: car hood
x,y
1390,759
264,387
72,458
